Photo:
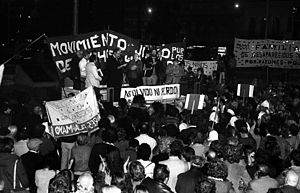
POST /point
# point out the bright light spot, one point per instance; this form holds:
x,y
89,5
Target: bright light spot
x,y
29,17
236,5
149,10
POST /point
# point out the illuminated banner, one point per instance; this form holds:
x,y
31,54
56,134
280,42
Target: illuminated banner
x,y
102,43
208,66
70,116
152,93
271,53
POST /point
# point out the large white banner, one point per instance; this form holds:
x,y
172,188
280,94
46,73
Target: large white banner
x,y
271,53
152,93
208,66
74,115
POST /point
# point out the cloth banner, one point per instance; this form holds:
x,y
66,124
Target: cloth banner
x,y
63,48
245,90
70,116
271,53
208,66
1,72
194,101
152,93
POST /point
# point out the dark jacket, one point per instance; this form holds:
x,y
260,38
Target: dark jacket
x,y
7,162
32,162
186,181
114,75
284,189
154,186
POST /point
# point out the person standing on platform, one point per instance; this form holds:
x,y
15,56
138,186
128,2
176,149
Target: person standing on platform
x,y
115,65
82,66
75,71
134,71
92,76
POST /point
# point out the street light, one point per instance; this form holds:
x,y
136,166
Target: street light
x,y
236,5
149,10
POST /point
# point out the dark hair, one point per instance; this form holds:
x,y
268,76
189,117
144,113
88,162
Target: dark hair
x,y
205,185
138,99
113,159
176,148
22,135
141,188
272,147
233,154
119,179
133,143
143,127
188,152
217,169
61,183
115,50
161,172
93,58
137,171
144,152
104,123
109,135
6,145
295,157
294,130
82,139
172,111
158,107
241,126
200,69
263,170
122,102
172,130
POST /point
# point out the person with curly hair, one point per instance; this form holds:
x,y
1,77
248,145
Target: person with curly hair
x,y
205,185
218,172
236,165
137,173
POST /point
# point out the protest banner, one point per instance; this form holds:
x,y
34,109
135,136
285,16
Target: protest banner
x,y
271,53
208,66
245,90
152,93
173,51
194,101
70,116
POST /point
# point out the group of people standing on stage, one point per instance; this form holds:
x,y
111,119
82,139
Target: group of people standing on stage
x,y
86,70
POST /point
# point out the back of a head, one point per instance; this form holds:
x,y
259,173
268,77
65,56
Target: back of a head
x,y
205,185
110,135
217,169
6,145
263,170
188,152
241,126
85,183
143,127
111,189
144,152
291,178
136,171
133,143
295,157
141,189
161,172
176,148
82,139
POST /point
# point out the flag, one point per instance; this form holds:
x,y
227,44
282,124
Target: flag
x,y
245,90
1,72
70,116
194,101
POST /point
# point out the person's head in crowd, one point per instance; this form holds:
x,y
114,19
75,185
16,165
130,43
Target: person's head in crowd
x,y
122,103
262,170
119,180
217,147
62,182
217,169
111,189
22,135
122,135
176,148
137,171
38,110
86,55
211,156
141,189
143,127
172,130
4,132
139,101
294,130
272,147
249,154
233,154
188,152
153,53
172,111
34,144
133,143
144,152
197,161
93,58
113,159
79,54
199,71
85,183
104,123
158,107
241,126
6,145
205,185
117,52
164,144
13,131
38,131
291,178
110,135
161,173
82,139
295,157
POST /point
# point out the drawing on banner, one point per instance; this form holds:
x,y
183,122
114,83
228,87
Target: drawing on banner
x,y
208,66
271,53
152,93
74,115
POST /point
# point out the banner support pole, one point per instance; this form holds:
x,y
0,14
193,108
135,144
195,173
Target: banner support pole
x,y
267,80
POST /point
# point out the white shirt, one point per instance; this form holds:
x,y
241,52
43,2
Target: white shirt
x,y
82,65
149,167
20,147
176,167
144,138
